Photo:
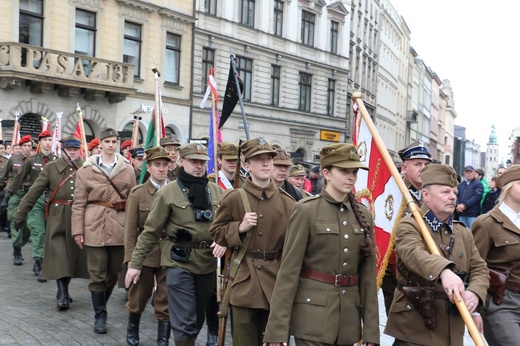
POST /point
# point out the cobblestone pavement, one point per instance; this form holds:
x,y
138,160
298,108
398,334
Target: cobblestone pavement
x,y
28,314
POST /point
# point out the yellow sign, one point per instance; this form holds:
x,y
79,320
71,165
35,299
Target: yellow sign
x,y
330,136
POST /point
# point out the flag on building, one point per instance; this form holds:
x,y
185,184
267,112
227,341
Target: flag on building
x,y
231,95
378,190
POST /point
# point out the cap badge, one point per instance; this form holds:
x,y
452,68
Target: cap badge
x,y
354,155
453,180
199,149
261,142
282,154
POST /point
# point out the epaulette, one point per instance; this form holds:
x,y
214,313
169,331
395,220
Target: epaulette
x,y
361,204
308,199
211,176
137,187
462,223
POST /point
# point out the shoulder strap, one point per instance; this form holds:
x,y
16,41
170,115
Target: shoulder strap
x,y
110,181
236,262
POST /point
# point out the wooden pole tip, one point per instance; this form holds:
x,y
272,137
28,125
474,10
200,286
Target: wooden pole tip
x,y
357,95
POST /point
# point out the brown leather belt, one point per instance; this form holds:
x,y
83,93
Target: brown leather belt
x,y
201,245
264,255
512,286
119,206
62,202
336,280
436,294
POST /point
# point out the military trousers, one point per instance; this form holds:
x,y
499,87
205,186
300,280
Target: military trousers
x,y
20,237
36,224
249,326
502,322
139,293
188,295
303,342
104,264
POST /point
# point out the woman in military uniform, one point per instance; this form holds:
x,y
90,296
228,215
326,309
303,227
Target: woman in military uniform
x,y
326,286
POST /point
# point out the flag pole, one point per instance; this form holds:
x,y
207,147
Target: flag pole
x,y
157,105
16,129
244,120
82,128
430,243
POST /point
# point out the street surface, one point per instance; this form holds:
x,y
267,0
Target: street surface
x,y
28,314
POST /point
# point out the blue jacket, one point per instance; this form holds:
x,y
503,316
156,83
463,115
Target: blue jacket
x,y
470,194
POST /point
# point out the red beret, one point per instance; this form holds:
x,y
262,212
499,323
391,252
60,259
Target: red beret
x,y
25,139
127,143
93,143
44,134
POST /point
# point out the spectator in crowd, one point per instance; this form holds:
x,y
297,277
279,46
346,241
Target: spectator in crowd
x,y
491,197
316,181
500,171
468,197
479,174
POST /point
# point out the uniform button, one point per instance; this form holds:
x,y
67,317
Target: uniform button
x,y
507,241
56,205
345,265
345,250
408,307
346,236
72,187
328,229
261,216
430,277
71,195
72,181
262,198
342,210
308,300
343,292
258,267
344,223
446,232
260,233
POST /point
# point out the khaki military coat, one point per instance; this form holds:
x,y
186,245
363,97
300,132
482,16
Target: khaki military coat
x,y
11,169
254,282
3,162
101,225
29,171
63,258
498,241
171,210
414,259
137,209
324,235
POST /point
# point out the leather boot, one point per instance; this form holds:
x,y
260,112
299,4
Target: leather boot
x,y
163,333
37,267
40,277
212,337
17,254
63,293
108,293
132,331
185,342
99,303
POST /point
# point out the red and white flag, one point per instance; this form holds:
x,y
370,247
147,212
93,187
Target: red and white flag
x,y
56,136
378,190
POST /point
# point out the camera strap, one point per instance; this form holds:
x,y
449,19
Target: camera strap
x,y
185,192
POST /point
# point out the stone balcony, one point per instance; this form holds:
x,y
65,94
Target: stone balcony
x,y
45,70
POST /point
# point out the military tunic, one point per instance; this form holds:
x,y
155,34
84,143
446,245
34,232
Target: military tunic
x,y
11,169
137,209
63,258
416,263
324,235
173,173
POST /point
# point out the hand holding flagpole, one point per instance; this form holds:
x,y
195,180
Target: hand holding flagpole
x,y
430,243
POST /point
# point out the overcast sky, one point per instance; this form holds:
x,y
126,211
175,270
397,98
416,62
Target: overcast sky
x,y
475,45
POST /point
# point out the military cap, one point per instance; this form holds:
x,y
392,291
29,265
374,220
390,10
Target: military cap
x,y
343,155
282,158
108,132
439,174
34,144
137,152
157,153
93,143
44,134
297,170
126,143
70,142
416,150
195,151
257,146
25,139
228,151
511,173
169,140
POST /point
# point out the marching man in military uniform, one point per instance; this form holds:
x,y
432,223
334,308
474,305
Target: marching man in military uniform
x,y
459,269
103,184
415,157
136,159
259,235
63,259
171,144
138,207
184,209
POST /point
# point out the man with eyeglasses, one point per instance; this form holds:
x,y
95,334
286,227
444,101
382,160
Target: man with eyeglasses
x,y
184,209
171,144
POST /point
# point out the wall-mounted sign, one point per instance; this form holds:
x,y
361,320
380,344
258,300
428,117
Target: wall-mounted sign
x,y
330,136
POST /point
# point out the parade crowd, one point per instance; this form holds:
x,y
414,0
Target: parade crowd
x,y
280,251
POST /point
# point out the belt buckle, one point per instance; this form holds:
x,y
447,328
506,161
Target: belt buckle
x,y
264,256
203,245
337,277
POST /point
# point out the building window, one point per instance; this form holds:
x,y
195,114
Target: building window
x,y
247,12
275,85
208,61
245,71
331,96
85,35
210,7
334,30
132,46
173,58
278,17
31,22
305,92
308,20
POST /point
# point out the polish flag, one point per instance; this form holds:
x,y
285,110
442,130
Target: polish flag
x,y
378,191
56,135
